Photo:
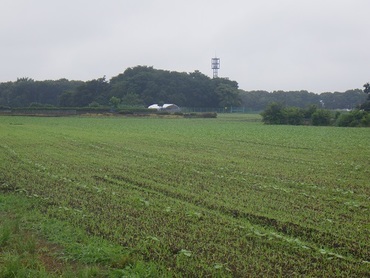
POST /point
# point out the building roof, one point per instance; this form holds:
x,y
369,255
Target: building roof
x,y
154,106
167,106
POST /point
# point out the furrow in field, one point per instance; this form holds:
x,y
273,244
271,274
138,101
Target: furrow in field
x,y
331,241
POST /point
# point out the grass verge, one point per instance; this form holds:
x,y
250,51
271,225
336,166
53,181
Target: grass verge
x,y
32,245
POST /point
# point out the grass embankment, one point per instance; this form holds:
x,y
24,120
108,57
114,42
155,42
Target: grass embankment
x,y
192,197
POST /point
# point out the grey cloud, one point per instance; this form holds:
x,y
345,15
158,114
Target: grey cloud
x,y
263,44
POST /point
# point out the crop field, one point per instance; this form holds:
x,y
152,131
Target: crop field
x,y
225,197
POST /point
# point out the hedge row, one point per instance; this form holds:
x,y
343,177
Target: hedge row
x,y
277,113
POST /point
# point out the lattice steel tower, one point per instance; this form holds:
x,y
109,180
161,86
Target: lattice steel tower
x,y
215,63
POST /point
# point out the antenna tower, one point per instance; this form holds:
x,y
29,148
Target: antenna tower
x,y
215,63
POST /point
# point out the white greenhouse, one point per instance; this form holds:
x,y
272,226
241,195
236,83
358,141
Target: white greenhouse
x,y
165,107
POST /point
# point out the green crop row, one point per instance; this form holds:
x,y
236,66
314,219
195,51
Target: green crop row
x,y
201,197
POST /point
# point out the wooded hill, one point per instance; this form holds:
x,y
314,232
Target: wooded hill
x,y
142,86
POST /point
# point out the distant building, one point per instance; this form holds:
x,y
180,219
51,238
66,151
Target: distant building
x,y
155,106
165,107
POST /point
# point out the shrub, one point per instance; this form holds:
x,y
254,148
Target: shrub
x,y
365,121
276,113
293,116
94,104
201,115
36,105
209,115
366,106
321,117
136,110
273,114
355,118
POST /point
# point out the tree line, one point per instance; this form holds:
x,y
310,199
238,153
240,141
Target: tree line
x,y
143,86
138,86
280,114
258,100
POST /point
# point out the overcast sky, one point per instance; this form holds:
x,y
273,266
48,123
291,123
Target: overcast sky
x,y
314,45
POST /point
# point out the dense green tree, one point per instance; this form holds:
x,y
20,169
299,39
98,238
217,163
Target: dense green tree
x,y
347,100
366,105
258,100
321,117
277,113
131,99
23,92
66,99
5,94
367,88
355,118
115,102
144,85
255,100
293,115
274,114
26,91
201,91
310,110
159,86
227,95
94,91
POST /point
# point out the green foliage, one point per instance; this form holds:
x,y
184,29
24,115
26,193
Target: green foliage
x,y
139,270
94,104
95,90
40,105
5,234
276,113
228,95
259,100
293,116
355,118
70,252
115,102
366,105
132,99
200,115
310,110
25,91
143,86
134,87
321,117
18,257
367,88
